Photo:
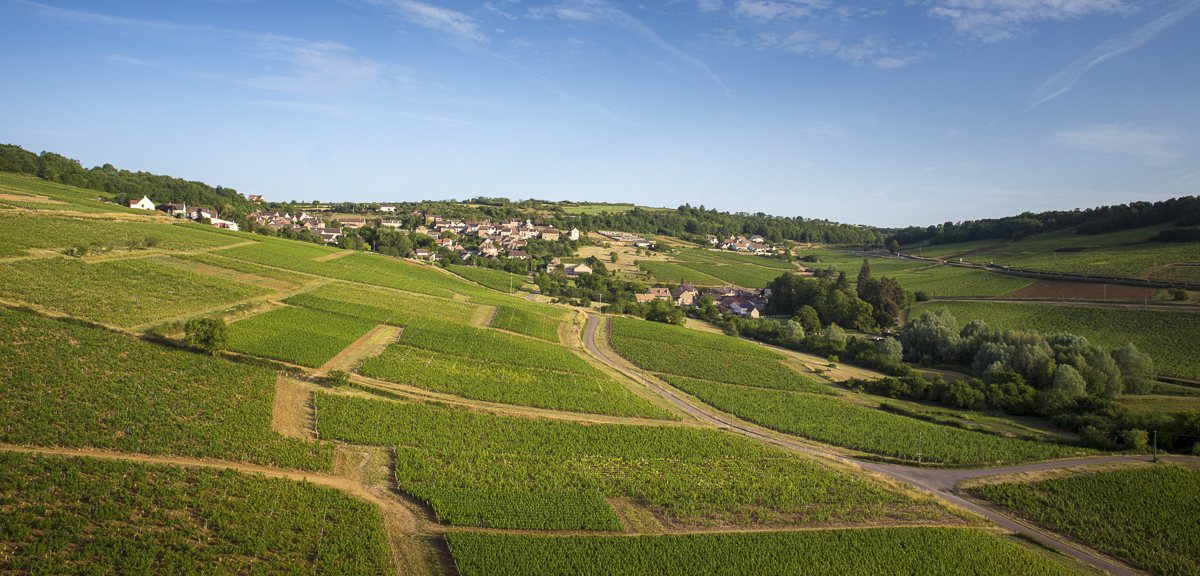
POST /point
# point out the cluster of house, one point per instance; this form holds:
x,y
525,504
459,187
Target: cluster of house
x,y
299,220
627,239
197,213
511,236
742,302
754,244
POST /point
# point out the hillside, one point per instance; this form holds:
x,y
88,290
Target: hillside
x,y
438,424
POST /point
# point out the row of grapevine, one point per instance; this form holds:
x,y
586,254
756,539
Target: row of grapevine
x,y
727,257
691,476
528,323
298,335
523,510
670,349
848,552
841,423
124,292
23,232
110,391
383,306
1144,515
80,515
493,346
499,280
506,383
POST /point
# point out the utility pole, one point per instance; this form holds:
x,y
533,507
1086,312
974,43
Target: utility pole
x,y
920,442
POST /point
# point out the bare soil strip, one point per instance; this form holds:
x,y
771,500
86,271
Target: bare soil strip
x,y
1051,289
370,344
292,412
333,256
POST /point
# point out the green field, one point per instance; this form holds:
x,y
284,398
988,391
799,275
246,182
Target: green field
x,y
598,208
1125,253
62,197
123,292
840,423
1145,515
675,350
114,392
298,335
499,280
383,306
690,476
522,321
21,233
494,346
508,384
673,273
86,516
1172,338
849,552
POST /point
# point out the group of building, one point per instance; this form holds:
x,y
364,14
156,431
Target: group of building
x,y
197,213
744,302
753,244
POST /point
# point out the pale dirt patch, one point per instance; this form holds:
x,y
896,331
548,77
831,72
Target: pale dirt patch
x,y
30,198
371,344
484,316
637,520
292,413
333,256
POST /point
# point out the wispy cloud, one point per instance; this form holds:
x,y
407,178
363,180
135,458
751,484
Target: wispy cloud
x,y
1154,145
451,22
317,68
561,93
868,51
770,9
600,11
1065,79
997,20
98,18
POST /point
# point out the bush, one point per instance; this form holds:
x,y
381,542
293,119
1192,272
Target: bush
x,y
206,335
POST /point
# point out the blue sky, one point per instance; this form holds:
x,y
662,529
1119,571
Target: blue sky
x,y
881,113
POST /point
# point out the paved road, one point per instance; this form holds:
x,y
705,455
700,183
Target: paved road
x,y
939,482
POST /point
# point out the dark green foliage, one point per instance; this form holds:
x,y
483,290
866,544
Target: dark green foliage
x,y
833,300
207,335
1146,516
847,552
86,516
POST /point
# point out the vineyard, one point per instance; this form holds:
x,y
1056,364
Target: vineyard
x,y
291,278
80,515
674,273
58,197
382,306
663,348
525,322
841,423
509,384
499,280
21,233
114,392
1144,515
691,476
298,335
1171,338
846,552
945,281
726,257
123,292
494,346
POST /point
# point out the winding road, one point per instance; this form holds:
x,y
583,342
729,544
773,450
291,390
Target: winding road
x,y
941,483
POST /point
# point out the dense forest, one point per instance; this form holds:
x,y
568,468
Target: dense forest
x,y
1182,211
125,186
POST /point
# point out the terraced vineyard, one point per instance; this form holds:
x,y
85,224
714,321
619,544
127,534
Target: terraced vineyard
x,y
522,321
507,383
674,350
111,391
298,335
123,292
457,459
1171,338
494,346
58,515
850,552
1144,515
841,423
382,306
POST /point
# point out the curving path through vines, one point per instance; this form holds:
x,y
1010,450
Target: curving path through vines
x,y
941,483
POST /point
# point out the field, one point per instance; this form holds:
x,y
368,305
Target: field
x,y
509,384
522,321
942,251
287,278
690,476
674,273
939,280
1171,338
1050,289
674,350
382,306
123,292
494,346
21,233
114,392
711,268
1125,253
298,335
841,423
499,280
727,257
58,197
1145,515
848,552
79,515
598,208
